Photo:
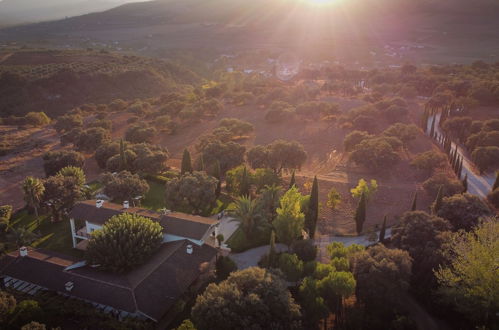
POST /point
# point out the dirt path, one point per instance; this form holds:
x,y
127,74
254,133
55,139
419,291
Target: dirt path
x,y
5,57
29,145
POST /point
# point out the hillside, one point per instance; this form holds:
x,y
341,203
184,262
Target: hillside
x,y
57,81
22,11
346,29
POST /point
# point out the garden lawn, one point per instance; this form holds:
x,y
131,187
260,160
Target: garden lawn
x,y
238,242
155,197
51,236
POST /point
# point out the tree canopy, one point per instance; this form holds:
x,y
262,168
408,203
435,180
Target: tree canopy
x,y
463,210
124,242
54,161
192,192
124,186
250,298
382,275
468,280
290,218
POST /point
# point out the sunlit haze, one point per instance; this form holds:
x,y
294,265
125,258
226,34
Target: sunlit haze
x,y
249,164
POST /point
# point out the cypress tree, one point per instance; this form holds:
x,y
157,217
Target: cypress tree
x,y
496,183
460,168
360,213
382,231
123,161
414,202
272,250
465,182
244,187
438,201
186,166
217,175
292,182
313,209
458,162
199,164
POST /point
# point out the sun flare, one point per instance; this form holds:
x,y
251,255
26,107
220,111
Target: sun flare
x,y
323,2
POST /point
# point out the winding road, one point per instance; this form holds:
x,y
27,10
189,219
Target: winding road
x,y
479,185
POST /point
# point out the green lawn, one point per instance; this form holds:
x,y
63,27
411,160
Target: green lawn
x,y
51,236
155,197
238,242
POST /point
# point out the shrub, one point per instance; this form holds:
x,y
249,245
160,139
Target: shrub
x,y
37,119
92,138
450,186
291,266
224,266
493,197
353,139
305,250
139,133
68,122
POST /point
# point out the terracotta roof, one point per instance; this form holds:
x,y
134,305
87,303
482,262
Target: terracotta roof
x,y
175,223
185,225
150,289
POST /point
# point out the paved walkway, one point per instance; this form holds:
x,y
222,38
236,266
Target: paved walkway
x,y
227,227
251,257
349,240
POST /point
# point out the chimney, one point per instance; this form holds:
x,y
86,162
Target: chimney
x,y
23,251
69,286
189,249
99,203
126,205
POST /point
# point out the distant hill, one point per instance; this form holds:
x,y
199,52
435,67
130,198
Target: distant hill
x,y
23,11
57,81
346,29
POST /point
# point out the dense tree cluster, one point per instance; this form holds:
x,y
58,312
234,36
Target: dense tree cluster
x,y
253,297
142,157
124,186
278,155
54,161
192,193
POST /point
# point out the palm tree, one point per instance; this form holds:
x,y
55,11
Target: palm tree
x,y
247,212
22,236
33,191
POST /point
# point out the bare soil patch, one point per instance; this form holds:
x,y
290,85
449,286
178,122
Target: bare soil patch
x,y
28,146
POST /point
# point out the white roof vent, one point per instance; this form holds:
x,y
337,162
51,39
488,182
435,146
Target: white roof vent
x,y
69,286
99,203
23,251
126,205
189,249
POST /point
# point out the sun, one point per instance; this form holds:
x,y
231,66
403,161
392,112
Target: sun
x,y
322,2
